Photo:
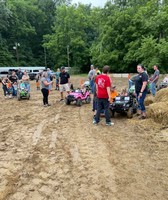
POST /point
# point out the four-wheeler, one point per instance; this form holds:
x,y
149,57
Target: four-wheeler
x,y
78,96
124,104
23,92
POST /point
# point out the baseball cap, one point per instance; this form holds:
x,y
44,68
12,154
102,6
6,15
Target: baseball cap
x,y
62,67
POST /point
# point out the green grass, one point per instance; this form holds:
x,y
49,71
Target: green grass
x,y
80,75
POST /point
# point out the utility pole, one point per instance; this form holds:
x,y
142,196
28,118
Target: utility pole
x,y
17,53
45,57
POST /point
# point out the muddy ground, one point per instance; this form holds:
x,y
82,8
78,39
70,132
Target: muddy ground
x,y
56,153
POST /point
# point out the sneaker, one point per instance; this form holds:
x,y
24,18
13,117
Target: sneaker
x,y
45,105
109,123
94,122
142,117
61,100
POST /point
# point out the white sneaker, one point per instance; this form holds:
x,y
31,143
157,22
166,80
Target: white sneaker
x,y
109,123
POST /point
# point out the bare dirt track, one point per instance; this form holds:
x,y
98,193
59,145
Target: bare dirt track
x,y
56,153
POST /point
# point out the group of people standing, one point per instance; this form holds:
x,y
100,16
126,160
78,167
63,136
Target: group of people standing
x,y
10,83
103,90
100,84
62,84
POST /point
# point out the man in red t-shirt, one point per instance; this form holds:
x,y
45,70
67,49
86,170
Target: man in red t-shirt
x,y
103,84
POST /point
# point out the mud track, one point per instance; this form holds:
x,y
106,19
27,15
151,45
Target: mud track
x,y
56,153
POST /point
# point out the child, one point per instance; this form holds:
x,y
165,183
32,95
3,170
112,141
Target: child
x,y
5,81
10,89
83,89
38,81
124,92
113,93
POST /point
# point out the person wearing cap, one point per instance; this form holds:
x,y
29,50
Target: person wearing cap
x,y
64,81
19,74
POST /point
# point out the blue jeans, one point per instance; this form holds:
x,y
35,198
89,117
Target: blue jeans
x,y
94,104
27,86
141,101
153,88
92,86
14,91
102,104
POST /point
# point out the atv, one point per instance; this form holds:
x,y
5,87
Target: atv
x,y
78,96
124,104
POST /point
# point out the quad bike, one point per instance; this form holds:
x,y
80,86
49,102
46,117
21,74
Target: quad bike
x,y
124,104
78,96
23,92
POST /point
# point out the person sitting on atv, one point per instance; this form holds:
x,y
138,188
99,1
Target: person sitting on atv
x,y
124,92
113,93
83,89
165,80
25,80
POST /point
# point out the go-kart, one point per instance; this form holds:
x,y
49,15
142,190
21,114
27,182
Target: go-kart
x,y
23,92
123,104
78,96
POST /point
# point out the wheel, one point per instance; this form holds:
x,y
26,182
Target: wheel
x,y
67,101
78,102
135,106
130,113
19,97
88,99
112,112
28,96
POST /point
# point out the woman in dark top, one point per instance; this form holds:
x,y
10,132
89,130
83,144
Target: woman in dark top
x,y
14,80
141,90
5,81
45,88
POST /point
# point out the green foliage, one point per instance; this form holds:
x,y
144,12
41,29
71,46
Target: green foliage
x,y
56,32
71,36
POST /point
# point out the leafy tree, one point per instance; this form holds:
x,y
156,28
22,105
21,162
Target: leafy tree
x,y
70,42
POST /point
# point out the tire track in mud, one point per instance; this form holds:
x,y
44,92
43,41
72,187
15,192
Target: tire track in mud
x,y
29,156
92,171
74,160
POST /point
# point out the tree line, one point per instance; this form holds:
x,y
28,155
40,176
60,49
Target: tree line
x,y
53,33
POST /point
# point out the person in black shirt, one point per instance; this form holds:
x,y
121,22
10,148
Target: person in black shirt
x,y
14,80
141,90
5,81
64,78
19,74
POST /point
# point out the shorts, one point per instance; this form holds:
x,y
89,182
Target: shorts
x,y
64,87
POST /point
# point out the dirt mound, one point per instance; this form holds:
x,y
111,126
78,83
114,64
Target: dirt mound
x,y
158,110
149,100
162,95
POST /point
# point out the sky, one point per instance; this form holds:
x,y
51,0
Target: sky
x,y
95,3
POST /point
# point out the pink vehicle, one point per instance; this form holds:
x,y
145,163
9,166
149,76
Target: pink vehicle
x,y
78,96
